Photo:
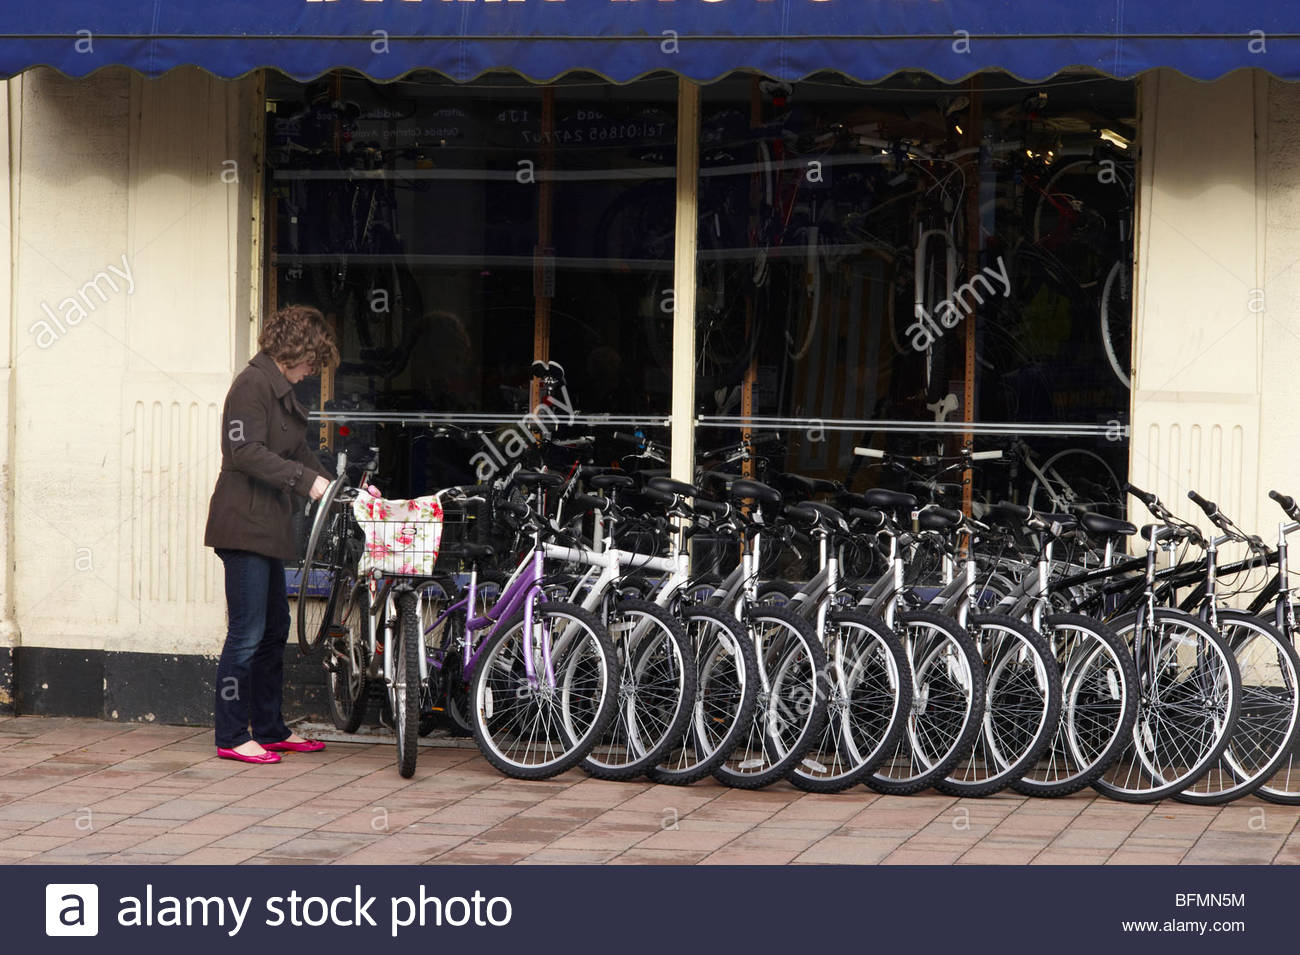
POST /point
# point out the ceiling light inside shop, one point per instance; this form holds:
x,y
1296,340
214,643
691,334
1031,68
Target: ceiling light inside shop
x,y
1110,136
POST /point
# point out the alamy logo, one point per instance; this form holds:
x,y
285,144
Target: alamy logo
x,y
71,908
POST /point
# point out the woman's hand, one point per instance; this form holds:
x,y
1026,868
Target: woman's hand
x,y
318,488
372,490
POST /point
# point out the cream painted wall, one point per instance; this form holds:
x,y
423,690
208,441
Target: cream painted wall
x,y
1205,224
117,417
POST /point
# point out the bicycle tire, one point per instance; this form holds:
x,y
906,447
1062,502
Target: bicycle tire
x,y
868,688
656,691
325,555
348,690
1098,706
1022,707
406,680
574,712
1135,776
1269,719
789,712
946,669
726,691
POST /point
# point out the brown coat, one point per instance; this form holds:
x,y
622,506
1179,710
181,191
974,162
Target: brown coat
x,y
264,457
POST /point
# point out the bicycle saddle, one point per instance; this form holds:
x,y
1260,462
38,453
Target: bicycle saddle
x,y
885,500
549,369
938,519
827,513
868,515
806,486
539,478
1006,514
468,551
589,502
743,487
1064,521
669,486
604,482
1105,526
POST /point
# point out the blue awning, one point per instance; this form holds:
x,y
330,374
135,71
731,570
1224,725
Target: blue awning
x,y
624,39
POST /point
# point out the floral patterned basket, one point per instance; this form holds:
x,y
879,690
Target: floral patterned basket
x,y
402,537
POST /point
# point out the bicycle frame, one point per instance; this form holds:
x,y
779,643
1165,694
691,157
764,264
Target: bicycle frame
x,y
523,589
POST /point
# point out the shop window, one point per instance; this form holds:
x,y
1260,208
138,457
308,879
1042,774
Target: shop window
x,y
896,265
451,233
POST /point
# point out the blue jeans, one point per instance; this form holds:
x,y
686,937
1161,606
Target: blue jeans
x,y
250,674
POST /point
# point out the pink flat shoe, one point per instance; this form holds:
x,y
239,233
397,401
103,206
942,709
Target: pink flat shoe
x,y
245,758
306,746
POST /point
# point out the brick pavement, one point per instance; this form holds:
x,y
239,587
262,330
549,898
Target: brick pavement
x,y
90,792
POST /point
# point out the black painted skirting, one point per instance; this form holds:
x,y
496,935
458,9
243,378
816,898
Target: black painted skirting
x,y
137,687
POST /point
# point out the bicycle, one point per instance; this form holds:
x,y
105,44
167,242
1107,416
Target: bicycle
x,y
1189,685
541,681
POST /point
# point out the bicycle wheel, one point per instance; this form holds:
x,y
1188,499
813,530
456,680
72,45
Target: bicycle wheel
x,y
1022,707
789,713
1189,694
329,564
656,690
1265,733
347,662
405,645
1117,321
947,704
1077,480
1098,708
533,719
726,689
777,593
868,690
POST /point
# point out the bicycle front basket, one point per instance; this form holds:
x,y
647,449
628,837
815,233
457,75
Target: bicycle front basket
x,y
402,537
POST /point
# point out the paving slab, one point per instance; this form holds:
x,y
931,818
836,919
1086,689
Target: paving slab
x,y
102,793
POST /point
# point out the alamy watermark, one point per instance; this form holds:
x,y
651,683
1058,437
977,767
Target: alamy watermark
x,y
76,308
511,442
949,313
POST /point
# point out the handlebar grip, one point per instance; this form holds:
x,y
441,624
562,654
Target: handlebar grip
x,y
1209,507
767,437
624,438
986,456
869,453
1145,497
1287,502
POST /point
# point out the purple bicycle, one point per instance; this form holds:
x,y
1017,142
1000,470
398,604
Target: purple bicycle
x,y
537,676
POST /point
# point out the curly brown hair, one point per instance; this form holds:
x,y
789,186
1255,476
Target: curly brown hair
x,y
298,333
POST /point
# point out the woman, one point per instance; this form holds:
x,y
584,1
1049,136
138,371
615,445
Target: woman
x,y
265,460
